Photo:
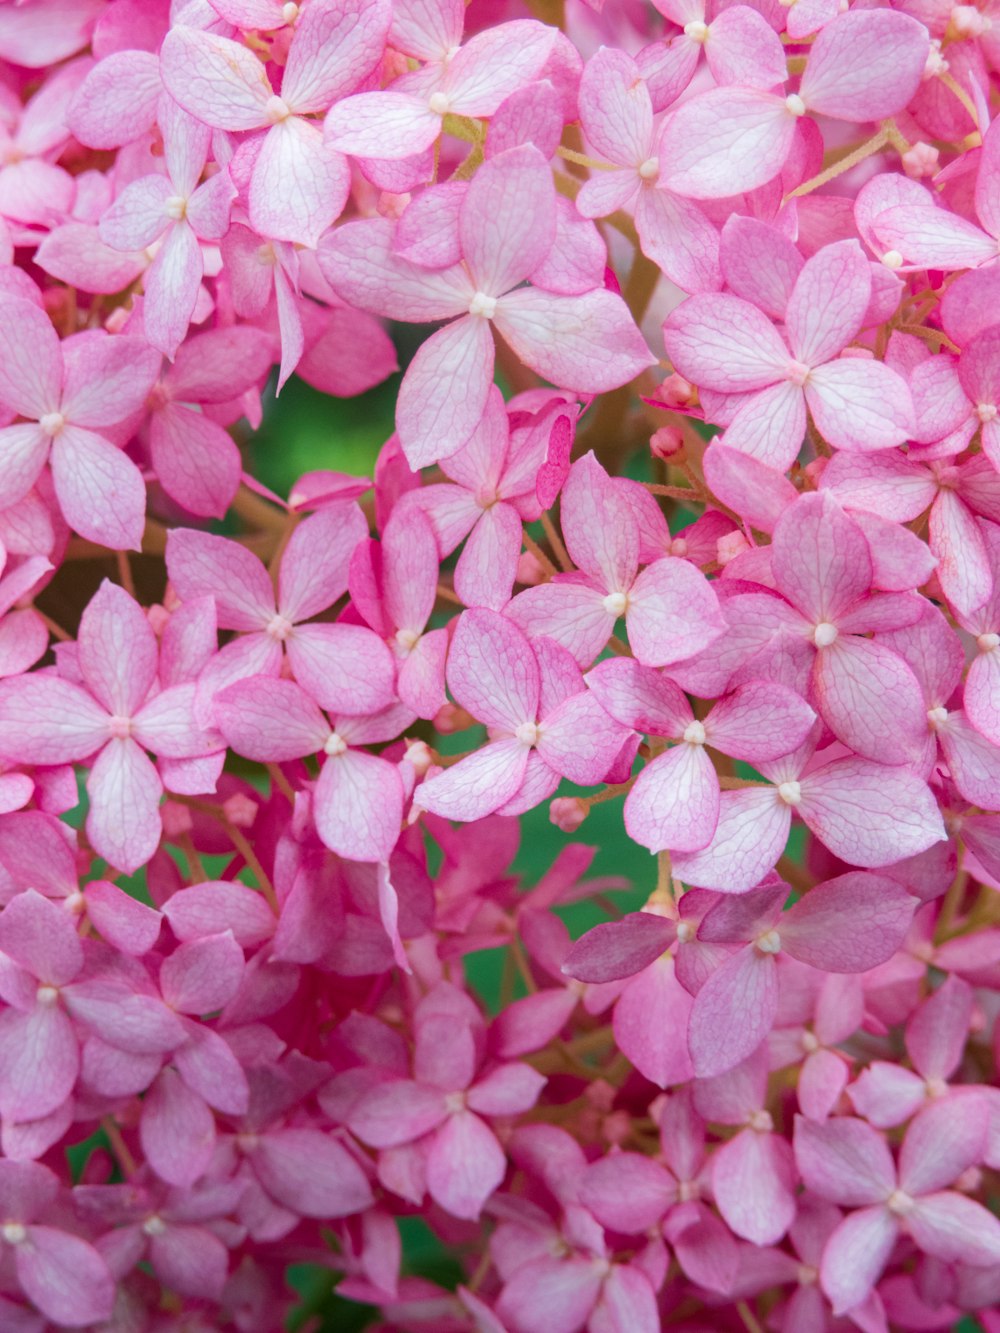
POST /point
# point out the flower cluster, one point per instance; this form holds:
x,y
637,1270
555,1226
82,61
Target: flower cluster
x,y
691,513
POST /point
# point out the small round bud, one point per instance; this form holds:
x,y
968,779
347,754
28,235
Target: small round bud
x,y
450,718
240,810
666,443
568,812
529,570
892,259
676,391
418,755
920,160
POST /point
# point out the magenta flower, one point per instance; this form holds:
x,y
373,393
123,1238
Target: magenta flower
x,y
343,667
543,723
299,184
588,342
847,1161
113,716
70,394
59,1272
444,1104
670,609
675,802
729,346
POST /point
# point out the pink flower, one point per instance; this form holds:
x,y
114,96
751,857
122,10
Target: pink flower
x,y
670,610
299,184
69,394
543,723
727,345
847,1161
588,342
113,717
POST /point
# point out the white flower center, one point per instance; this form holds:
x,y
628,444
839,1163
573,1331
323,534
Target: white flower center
x,y
47,995
899,1203
14,1233
824,634
52,423
697,30
679,546
335,745
686,931
694,733
120,727
455,1102
810,1042
527,734
439,103
175,207
790,793
279,628
154,1226
798,372
616,603
290,12
276,110
795,104
484,305
407,639
986,412
986,643
769,942
650,169
892,259
760,1122
936,718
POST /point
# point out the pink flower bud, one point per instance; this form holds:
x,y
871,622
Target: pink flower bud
x,y
666,443
920,160
676,391
418,756
241,810
568,812
450,718
529,571
158,617
176,820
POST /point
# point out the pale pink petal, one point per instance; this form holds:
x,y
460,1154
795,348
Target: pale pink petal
x,y
822,1079
40,1061
769,427
314,565
345,668
300,183
427,30
580,741
820,558
956,1229
677,236
672,613
860,404
675,802
203,565
870,815
865,66
421,675
615,108
946,1138
618,949
202,975
733,1012
40,938
492,670
360,263
855,1256
507,221
445,390
871,699
359,806
760,263
30,359
219,81
628,1192
929,237
744,49
726,141
749,837
828,303
759,721
386,125
509,1089
47,720
116,102
478,784
337,44
124,921
887,1095
937,1031
23,451
956,540
101,491
844,1160
848,924
124,820
487,567
196,461
310,1173
268,719
753,1184
214,907
569,612
724,343
138,215
494,63
600,530
171,287
117,650
550,1295
650,1024
589,343
639,697
65,1276
190,1260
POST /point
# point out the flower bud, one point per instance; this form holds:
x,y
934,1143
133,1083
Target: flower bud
x,y
666,443
568,812
529,571
676,391
920,160
240,810
450,718
418,755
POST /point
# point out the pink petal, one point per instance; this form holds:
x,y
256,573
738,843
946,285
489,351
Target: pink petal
x,y
385,125
944,1139
860,404
359,806
117,650
311,1173
650,1024
492,670
733,1012
589,343
125,922
677,236
600,531
848,924
494,63
744,49
759,721
49,721
445,390
627,1192
937,1031
138,215
397,1112
30,359
465,1165
672,613
202,975
855,1256
124,820
219,81
507,221
579,741
487,567
749,837
177,1131
478,784
617,949
337,44
300,183
345,668
760,263
752,1181
117,100
615,108
639,697
509,1089
844,1160
871,699
956,1229
171,289
828,303
726,141
724,343
820,558
101,492
569,612
214,907
864,67
269,719
65,1277
887,1095
956,540
40,1061
822,1079
195,460
675,802
929,237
